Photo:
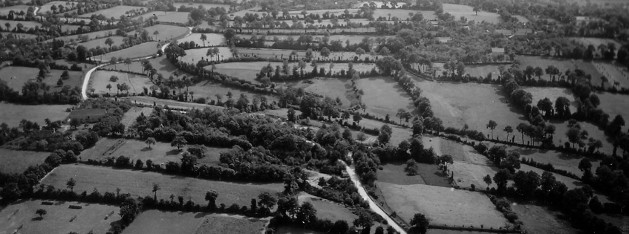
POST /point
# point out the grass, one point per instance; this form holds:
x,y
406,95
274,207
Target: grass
x,y
561,64
402,14
165,32
129,118
194,55
115,12
14,161
617,75
248,70
472,104
139,183
100,79
26,24
295,230
137,51
459,11
609,104
442,206
209,90
46,7
213,39
16,77
329,87
394,173
551,93
12,114
284,54
481,71
118,40
593,131
90,35
353,39
398,134
328,209
204,5
152,221
21,218
538,219
161,64
383,96
170,103
16,9
174,17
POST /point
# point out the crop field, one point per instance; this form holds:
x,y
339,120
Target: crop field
x,y
538,219
442,206
471,104
174,17
139,183
617,75
136,83
165,32
248,70
118,40
16,77
60,218
115,12
138,51
330,87
301,54
213,39
38,114
17,161
458,11
132,114
384,96
561,64
194,55
16,9
609,104
152,222
14,24
328,209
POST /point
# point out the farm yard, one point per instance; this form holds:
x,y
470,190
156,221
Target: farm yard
x,y
38,114
156,222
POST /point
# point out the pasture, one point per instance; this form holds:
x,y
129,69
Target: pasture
x,y
140,183
153,222
559,160
209,89
609,104
301,54
471,104
128,119
165,32
16,9
118,40
16,77
174,17
383,96
428,174
197,5
60,218
617,75
538,219
249,70
398,134
481,71
17,161
195,55
213,39
551,93
12,114
100,79
17,24
561,64
353,39
161,64
330,87
89,36
46,7
442,206
138,51
114,12
459,11
327,209
593,131
402,14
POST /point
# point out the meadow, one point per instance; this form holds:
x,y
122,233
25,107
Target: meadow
x,y
383,96
538,219
152,222
100,79
36,114
249,70
466,11
140,183
165,32
481,71
89,36
115,12
402,14
174,17
213,39
138,51
16,77
14,24
46,7
329,87
327,209
301,54
132,114
118,40
16,9
561,64
616,74
609,104
195,55
17,161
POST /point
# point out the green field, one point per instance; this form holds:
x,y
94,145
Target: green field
x,y
21,218
174,17
165,32
539,219
118,41
213,39
384,96
139,183
248,70
12,114
115,12
561,64
100,79
194,55
16,77
138,51
328,209
152,222
130,116
16,161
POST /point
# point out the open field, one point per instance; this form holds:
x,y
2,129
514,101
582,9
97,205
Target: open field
x,y
146,100
481,71
538,219
165,32
569,182
459,11
209,89
561,64
586,41
442,206
46,7
118,40
295,230
139,183
617,75
398,134
16,77
394,173
213,39
610,104
17,161
12,114
136,83
560,137
379,4
402,14
160,153
115,12
558,159
471,104
194,55
551,93
16,9
89,36
384,96
301,54
248,70
137,51
328,209
132,114
174,17
153,222
329,87
14,24
353,39
21,218
18,35
204,5
161,64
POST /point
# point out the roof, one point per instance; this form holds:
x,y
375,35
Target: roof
x,y
497,50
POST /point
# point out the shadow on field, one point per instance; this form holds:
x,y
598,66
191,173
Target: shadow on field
x,y
505,99
173,152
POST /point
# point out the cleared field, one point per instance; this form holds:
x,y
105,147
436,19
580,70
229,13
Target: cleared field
x,y
301,54
471,104
195,55
330,87
160,153
12,114
16,161
14,24
204,5
118,40
538,219
174,17
136,83
132,114
213,39
616,75
482,71
138,183
402,14
21,218
115,12
459,11
153,222
16,77
383,96
561,64
16,9
248,70
328,209
614,104
165,32
138,51
442,206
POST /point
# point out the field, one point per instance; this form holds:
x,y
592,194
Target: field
x,y
609,104
136,83
21,218
16,9
160,153
327,209
16,77
248,70
617,75
138,51
561,64
586,41
402,14
384,96
118,40
165,32
379,4
161,64
558,159
18,35
46,7
482,71
138,183
284,54
90,35
539,219
471,104
427,174
209,90
152,222
551,93
353,39
16,161
213,39
13,24
12,114
130,116
194,55
442,206
174,17
593,131
459,11
115,12
146,100
330,87
204,5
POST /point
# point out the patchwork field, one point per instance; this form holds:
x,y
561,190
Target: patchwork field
x,y
16,77
384,96
21,218
617,75
213,39
165,32
138,51
118,40
442,206
539,219
115,12
459,11
38,114
17,161
248,70
301,54
100,79
139,183
328,209
195,55
153,222
561,64
209,89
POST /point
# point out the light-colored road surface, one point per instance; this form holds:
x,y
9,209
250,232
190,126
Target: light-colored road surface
x,y
86,81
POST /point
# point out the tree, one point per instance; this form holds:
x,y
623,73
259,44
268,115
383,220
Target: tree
x,y
109,42
325,52
210,197
501,178
522,127
267,200
340,226
411,168
401,113
155,189
419,224
108,87
128,62
150,141
585,164
487,180
307,214
203,38
492,125
539,72
364,219
71,183
508,129
41,213
526,183
179,142
128,210
291,114
476,9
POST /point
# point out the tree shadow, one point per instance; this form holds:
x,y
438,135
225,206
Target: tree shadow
x,y
37,218
146,149
174,152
